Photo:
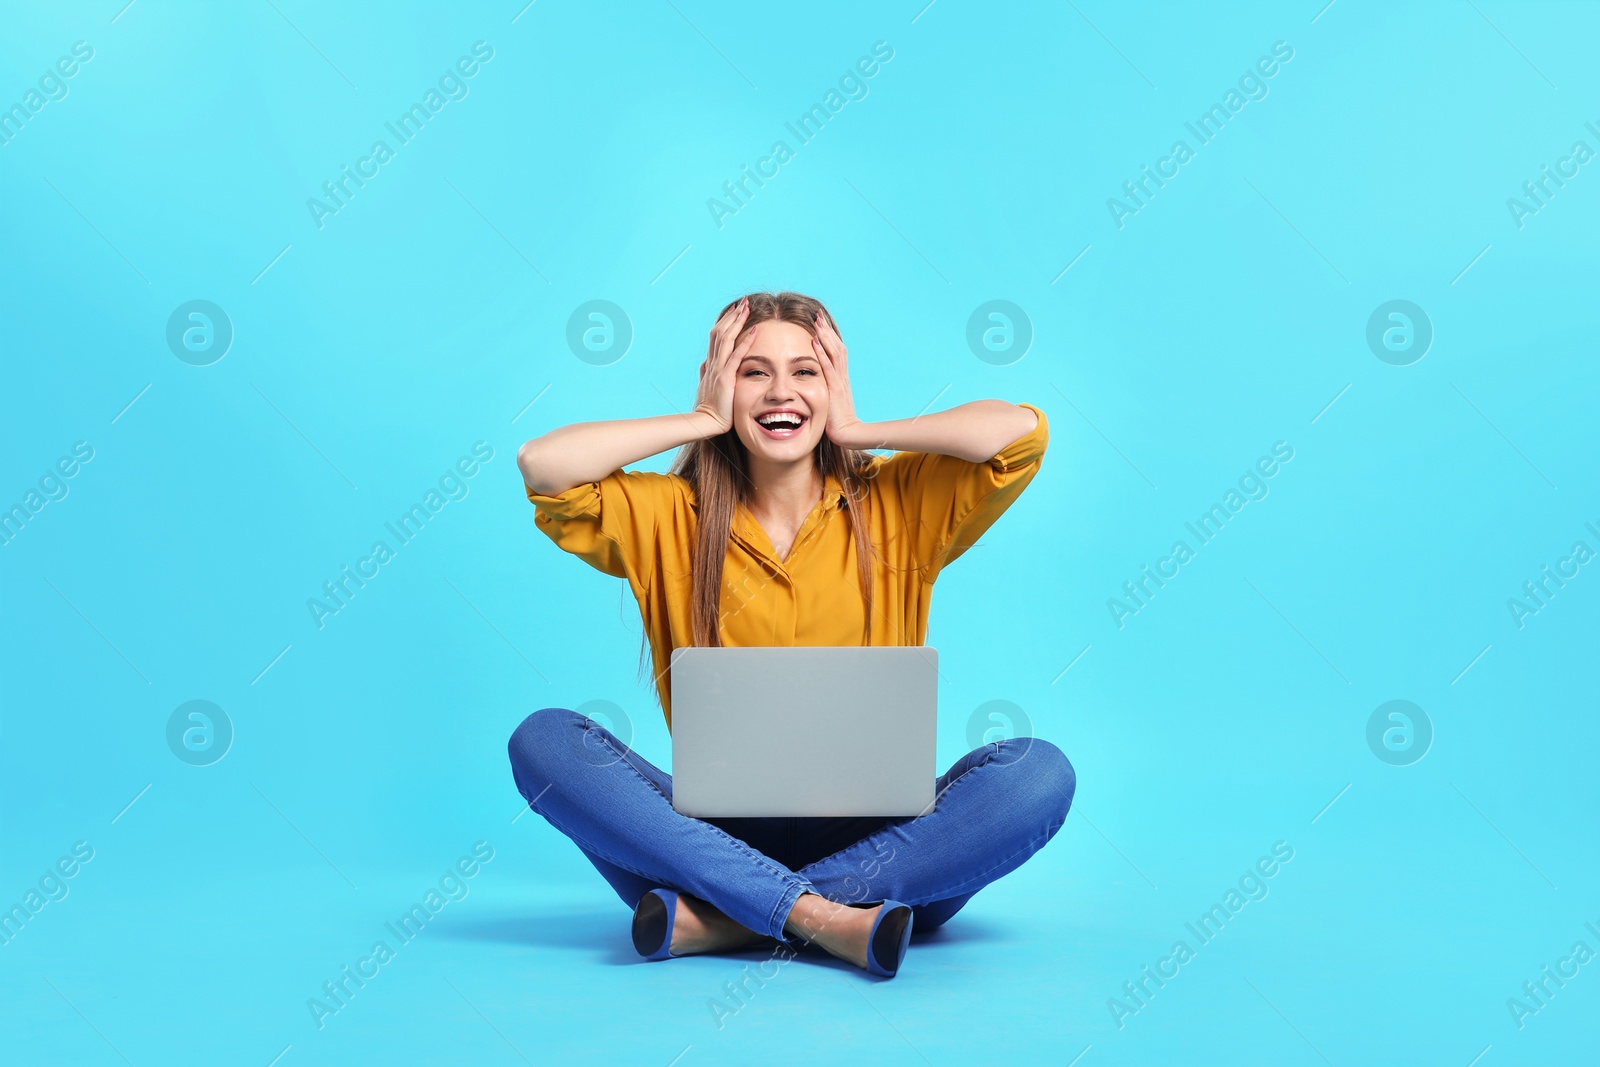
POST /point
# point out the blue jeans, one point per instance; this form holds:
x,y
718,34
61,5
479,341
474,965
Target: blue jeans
x,y
993,808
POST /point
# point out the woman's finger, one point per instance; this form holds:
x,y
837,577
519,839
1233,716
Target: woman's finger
x,y
722,336
733,354
825,360
835,350
827,335
743,346
733,341
726,322
730,329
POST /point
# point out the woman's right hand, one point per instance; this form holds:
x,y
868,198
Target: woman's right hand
x,y
721,366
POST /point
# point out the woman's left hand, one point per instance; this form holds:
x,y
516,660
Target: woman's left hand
x,y
843,428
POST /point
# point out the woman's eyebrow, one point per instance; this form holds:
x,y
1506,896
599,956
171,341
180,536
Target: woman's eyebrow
x,y
768,362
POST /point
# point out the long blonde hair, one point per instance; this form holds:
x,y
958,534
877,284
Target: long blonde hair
x,y
717,469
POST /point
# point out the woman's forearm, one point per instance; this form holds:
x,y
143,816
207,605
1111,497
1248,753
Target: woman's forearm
x,y
588,451
975,431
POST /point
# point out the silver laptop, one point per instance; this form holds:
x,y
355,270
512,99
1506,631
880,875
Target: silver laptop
x,y
804,730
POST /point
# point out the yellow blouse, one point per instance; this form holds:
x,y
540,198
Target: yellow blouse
x,y
927,509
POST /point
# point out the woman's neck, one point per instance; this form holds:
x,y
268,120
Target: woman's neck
x,y
784,490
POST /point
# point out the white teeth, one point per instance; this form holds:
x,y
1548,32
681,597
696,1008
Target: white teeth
x,y
770,420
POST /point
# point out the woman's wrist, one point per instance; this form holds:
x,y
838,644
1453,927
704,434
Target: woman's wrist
x,y
857,435
706,424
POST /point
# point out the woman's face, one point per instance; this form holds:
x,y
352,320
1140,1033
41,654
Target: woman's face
x,y
780,373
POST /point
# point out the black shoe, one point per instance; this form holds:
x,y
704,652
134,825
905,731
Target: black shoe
x,y
652,923
891,933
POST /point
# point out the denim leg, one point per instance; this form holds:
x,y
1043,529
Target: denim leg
x,y
617,808
995,807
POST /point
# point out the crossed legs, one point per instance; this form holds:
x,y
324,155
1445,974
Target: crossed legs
x,y
994,808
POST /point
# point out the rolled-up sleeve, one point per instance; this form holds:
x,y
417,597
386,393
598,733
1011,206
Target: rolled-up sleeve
x,y
610,524
946,503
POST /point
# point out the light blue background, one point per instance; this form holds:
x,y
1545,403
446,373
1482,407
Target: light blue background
x,y
1228,314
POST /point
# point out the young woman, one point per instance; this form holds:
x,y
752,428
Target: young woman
x,y
776,526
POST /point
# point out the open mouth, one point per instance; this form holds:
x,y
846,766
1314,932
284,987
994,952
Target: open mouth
x,y
782,425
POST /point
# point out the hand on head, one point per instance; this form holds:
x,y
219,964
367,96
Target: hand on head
x,y
721,366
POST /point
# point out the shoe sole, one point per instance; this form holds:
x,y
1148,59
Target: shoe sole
x,y
649,925
890,939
